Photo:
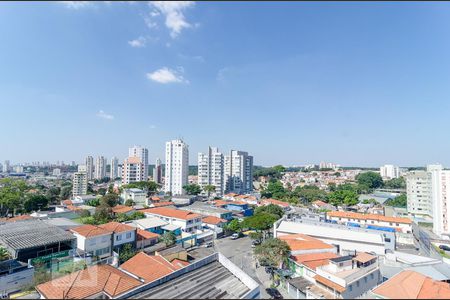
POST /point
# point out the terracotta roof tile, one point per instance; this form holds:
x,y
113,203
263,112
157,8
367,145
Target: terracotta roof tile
x,y
171,212
117,227
364,257
162,204
276,202
121,209
89,282
213,220
90,230
329,283
303,242
145,235
148,267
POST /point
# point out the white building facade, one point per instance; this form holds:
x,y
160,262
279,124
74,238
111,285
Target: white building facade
x,y
100,167
157,172
177,166
389,171
114,173
90,167
440,195
142,153
132,170
211,170
79,184
418,193
238,172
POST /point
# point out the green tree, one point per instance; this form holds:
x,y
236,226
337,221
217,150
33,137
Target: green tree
x,y
12,195
260,222
53,195
4,254
343,197
121,217
110,200
310,193
148,186
256,236
234,226
168,238
101,191
103,213
192,189
93,202
270,209
136,215
84,213
129,202
274,190
209,189
370,179
395,183
272,252
35,202
88,220
126,252
399,201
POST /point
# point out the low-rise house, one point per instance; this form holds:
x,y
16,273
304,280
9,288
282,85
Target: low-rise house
x,y
282,204
122,234
412,285
138,196
371,220
319,204
95,282
239,207
209,210
151,224
215,224
14,275
181,200
187,221
162,204
146,238
93,240
303,244
122,209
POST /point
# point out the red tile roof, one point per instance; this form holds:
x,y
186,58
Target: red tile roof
x,y
178,263
148,267
17,218
213,220
162,204
329,283
276,202
413,285
121,209
300,241
89,282
117,227
146,235
314,260
171,212
90,230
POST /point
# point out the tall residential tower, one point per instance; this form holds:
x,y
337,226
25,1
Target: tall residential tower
x,y
211,170
142,153
238,172
177,167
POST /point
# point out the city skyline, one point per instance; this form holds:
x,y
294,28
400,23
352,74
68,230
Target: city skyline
x,y
350,83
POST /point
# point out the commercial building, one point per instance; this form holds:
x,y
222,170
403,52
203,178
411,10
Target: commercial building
x,y
142,153
211,171
132,170
32,238
238,172
389,172
14,275
114,172
157,172
79,184
90,167
177,167
100,167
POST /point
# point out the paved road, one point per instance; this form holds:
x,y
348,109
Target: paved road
x,y
240,252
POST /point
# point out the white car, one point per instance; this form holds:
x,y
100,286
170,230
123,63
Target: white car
x,y
234,236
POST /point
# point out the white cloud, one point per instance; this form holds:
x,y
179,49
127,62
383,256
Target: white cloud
x,y
166,75
76,4
103,115
152,126
138,43
173,13
221,75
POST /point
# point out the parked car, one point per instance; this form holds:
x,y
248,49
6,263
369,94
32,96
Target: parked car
x,y
234,236
208,244
274,293
444,247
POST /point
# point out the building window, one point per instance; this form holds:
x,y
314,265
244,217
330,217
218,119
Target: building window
x,y
365,279
371,276
350,288
357,284
128,236
118,237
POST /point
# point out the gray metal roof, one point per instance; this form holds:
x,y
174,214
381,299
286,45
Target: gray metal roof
x,y
31,233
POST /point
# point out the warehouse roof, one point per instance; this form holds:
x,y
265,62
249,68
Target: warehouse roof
x,y
31,233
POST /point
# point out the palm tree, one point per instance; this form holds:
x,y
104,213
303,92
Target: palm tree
x,y
4,255
209,188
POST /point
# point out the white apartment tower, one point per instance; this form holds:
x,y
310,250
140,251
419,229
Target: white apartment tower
x,y
114,172
389,171
90,167
6,166
211,170
132,170
142,153
238,172
100,167
418,192
157,172
177,166
80,183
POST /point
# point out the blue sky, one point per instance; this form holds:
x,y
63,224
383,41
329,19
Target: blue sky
x,y
291,83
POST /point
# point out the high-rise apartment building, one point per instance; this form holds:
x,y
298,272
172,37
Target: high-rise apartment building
x,y
6,166
114,171
132,170
238,172
80,184
157,172
90,167
211,170
142,153
100,167
389,171
177,167
418,192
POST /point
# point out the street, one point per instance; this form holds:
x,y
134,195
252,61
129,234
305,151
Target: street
x,y
240,252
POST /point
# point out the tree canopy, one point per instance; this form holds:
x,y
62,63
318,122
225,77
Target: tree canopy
x,y
395,183
399,201
270,209
343,197
272,252
370,179
192,189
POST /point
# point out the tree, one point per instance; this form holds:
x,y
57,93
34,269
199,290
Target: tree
x,y
101,191
168,238
399,201
395,183
126,252
310,193
121,217
256,236
274,190
129,202
192,189
84,213
88,220
103,213
147,186
234,226
270,209
12,195
370,179
4,254
110,200
260,222
136,215
66,192
272,252
93,202
343,197
53,195
209,189
35,202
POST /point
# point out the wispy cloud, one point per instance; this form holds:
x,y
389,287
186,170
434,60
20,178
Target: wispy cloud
x,y
221,74
166,75
152,126
76,4
173,12
103,115
198,58
140,42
